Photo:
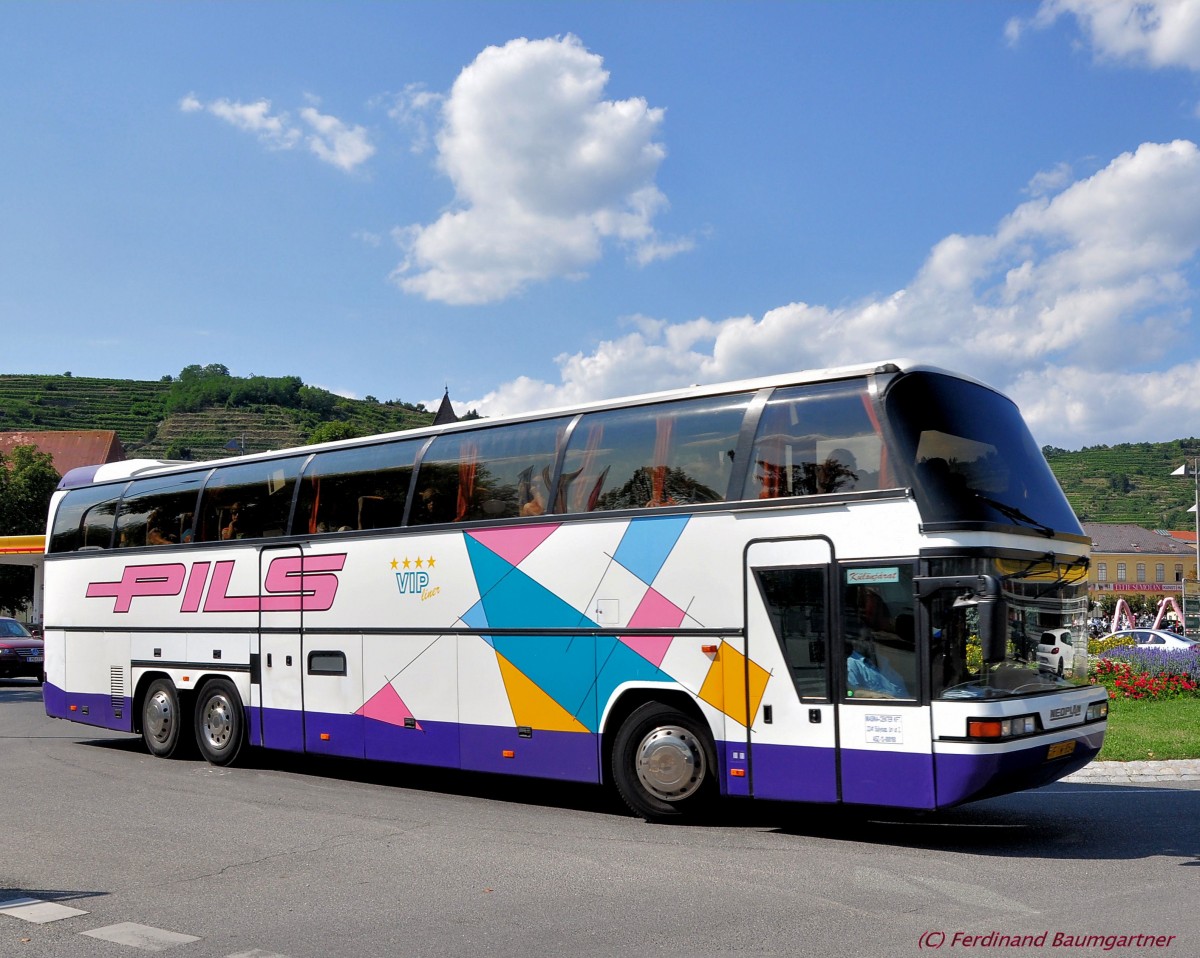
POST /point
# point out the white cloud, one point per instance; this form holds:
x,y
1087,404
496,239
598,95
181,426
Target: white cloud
x,y
545,173
331,140
1065,290
1154,33
345,147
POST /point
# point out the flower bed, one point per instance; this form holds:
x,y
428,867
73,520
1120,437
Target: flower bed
x,y
1147,673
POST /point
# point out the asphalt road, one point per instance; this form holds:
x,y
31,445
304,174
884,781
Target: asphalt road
x,y
310,859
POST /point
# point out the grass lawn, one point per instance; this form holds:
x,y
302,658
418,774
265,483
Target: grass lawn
x,y
1145,729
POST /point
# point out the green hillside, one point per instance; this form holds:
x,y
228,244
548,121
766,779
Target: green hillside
x,y
1130,482
197,414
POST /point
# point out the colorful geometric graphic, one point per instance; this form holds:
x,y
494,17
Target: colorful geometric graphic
x,y
562,682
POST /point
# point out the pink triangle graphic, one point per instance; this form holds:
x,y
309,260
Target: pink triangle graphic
x,y
514,545
654,612
386,706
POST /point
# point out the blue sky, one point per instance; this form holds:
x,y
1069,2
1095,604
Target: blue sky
x,y
544,203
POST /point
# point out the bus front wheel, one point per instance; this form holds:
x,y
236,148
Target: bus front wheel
x,y
663,764
161,720
220,723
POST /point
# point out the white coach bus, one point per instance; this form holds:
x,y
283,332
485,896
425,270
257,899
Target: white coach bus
x,y
816,587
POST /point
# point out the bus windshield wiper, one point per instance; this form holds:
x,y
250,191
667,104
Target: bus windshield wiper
x,y
1012,512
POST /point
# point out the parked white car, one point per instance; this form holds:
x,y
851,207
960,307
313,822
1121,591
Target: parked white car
x,y
1055,652
1155,639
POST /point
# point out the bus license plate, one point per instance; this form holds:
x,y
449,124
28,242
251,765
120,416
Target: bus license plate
x,y
1059,749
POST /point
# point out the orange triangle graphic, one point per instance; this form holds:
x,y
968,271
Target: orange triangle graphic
x,y
531,705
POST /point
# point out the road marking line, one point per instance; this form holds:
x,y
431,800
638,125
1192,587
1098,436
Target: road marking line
x,y
37,910
140,936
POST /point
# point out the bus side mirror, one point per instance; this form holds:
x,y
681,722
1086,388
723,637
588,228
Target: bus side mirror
x,y
993,636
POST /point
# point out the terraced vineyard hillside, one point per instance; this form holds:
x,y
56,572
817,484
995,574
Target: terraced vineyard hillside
x,y
1131,482
147,418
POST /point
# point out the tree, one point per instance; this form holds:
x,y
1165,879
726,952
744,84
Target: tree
x,y
330,431
27,481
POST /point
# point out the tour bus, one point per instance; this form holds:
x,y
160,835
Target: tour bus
x,y
803,588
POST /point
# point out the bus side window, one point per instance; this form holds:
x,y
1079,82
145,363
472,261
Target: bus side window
x,y
247,501
816,440
84,519
359,488
157,511
498,473
667,454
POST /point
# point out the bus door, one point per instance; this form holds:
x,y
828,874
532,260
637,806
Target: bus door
x,y
884,744
279,692
792,739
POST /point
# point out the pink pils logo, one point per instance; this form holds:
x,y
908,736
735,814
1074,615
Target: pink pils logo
x,y
292,584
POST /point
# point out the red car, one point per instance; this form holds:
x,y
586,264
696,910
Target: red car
x,y
20,653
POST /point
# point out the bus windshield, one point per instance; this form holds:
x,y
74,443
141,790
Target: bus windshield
x,y
1045,620
972,458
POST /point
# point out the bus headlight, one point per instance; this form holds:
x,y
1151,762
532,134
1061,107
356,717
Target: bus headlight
x,y
996,728
1097,711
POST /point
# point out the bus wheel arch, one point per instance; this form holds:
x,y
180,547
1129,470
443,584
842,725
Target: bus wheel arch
x,y
660,756
219,721
161,715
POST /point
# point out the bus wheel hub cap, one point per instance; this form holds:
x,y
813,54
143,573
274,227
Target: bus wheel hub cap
x,y
670,763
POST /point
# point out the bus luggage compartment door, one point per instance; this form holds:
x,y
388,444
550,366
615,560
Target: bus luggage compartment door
x,y
792,738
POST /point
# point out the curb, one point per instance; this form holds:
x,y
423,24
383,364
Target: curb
x,y
1178,772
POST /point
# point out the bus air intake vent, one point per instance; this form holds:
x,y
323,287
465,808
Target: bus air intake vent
x,y
116,687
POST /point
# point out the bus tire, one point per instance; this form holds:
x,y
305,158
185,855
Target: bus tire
x,y
162,720
663,764
220,722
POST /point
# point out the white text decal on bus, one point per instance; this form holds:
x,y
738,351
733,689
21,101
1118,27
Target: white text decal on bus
x,y
884,729
292,584
872,576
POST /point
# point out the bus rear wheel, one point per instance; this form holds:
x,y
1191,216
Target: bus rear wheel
x,y
220,722
663,764
161,720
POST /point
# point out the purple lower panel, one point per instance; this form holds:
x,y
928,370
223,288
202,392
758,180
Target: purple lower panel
x,y
967,778
736,774
794,773
568,756
897,779
429,743
89,708
282,729
329,734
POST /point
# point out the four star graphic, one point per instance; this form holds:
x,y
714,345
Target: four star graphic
x,y
408,563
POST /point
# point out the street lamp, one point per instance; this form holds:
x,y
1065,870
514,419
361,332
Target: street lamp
x,y
1191,469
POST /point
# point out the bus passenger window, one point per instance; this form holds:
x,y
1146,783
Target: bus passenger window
x,y
816,440
668,454
84,519
247,501
363,487
498,473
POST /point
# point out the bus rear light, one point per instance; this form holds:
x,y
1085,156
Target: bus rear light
x,y
1002,728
